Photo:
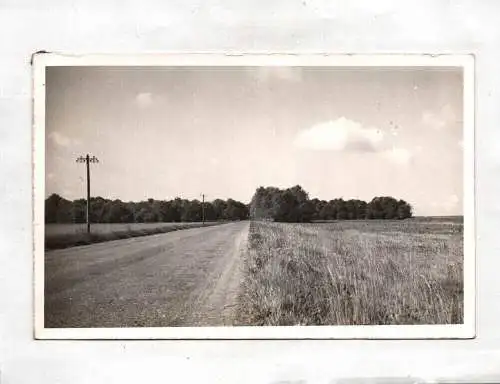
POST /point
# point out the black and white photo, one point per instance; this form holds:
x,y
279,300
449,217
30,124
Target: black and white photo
x,y
211,196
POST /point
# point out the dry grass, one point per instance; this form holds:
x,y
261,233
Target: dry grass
x,y
59,236
352,273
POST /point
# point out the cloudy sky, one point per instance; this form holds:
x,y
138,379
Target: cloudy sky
x,y
339,132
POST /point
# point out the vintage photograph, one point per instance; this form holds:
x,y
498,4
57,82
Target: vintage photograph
x,y
331,194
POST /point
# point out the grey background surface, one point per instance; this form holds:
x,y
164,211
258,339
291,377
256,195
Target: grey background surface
x,y
248,26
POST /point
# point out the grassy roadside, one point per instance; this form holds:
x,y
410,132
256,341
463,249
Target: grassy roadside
x,y
352,274
66,240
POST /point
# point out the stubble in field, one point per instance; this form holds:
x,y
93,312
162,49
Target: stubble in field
x,y
353,273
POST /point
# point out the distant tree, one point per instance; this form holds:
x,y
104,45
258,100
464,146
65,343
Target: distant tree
x,y
176,209
107,212
351,209
118,212
289,205
79,211
299,194
341,209
166,211
390,208
293,205
268,203
375,209
191,210
235,210
57,209
97,209
356,209
210,214
307,211
317,206
263,203
132,207
361,209
404,210
386,207
144,215
328,211
285,206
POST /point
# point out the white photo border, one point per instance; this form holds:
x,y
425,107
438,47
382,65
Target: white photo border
x,y
467,330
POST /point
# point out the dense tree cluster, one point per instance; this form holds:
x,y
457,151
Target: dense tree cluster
x,y
60,210
271,203
293,205
289,205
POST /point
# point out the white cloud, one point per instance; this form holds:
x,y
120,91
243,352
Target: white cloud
x,y
144,99
440,119
401,156
340,135
62,140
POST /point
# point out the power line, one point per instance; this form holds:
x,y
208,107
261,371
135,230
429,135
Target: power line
x,y
87,160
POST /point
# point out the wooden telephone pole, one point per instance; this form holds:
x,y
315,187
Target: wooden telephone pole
x,y
87,160
203,208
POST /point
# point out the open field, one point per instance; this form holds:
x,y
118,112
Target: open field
x,y
440,219
68,235
353,273
259,273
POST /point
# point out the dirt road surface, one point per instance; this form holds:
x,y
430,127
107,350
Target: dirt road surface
x,y
184,278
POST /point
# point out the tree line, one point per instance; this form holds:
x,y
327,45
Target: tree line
x,y
60,210
293,205
268,203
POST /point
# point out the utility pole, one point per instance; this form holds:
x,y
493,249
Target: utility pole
x,y
87,160
203,208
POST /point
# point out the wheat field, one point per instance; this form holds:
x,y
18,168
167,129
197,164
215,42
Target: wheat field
x,y
353,273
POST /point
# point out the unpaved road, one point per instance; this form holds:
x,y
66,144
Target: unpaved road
x,y
184,278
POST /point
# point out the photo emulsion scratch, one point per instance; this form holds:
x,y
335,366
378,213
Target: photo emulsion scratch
x,y
250,197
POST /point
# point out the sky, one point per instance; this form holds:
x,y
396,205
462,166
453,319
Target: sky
x,y
166,132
